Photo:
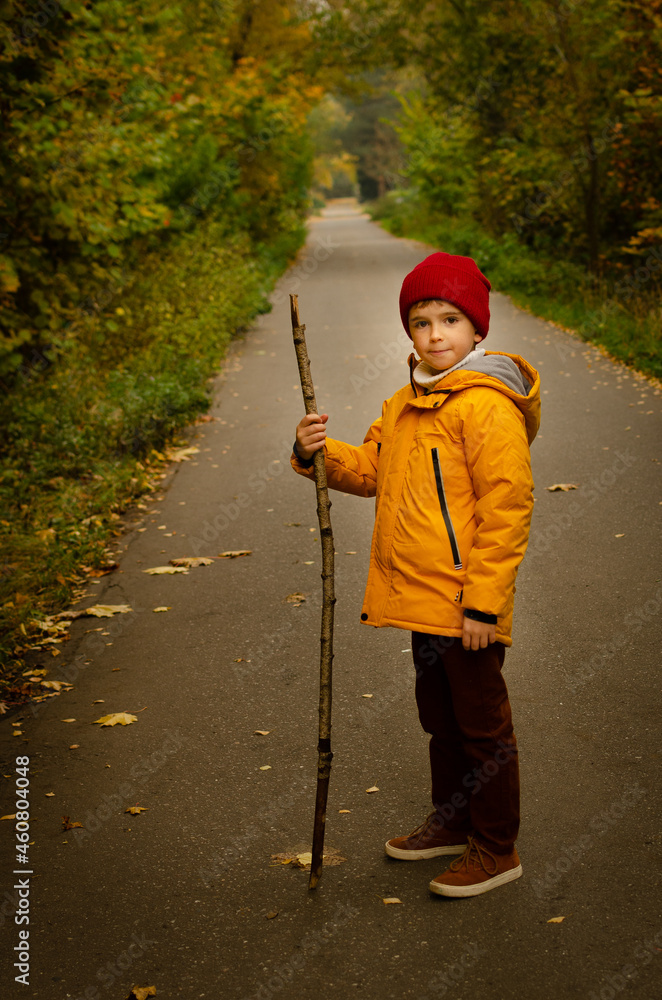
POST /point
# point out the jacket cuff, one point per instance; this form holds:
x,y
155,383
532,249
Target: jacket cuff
x,y
306,462
480,616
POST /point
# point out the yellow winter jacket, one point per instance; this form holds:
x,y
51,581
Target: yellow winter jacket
x,y
451,472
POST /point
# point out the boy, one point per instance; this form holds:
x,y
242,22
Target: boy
x,y
449,463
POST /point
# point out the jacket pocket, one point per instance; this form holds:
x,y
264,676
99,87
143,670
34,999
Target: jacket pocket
x,y
457,561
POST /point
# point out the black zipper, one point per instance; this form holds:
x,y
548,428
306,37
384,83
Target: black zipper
x,y
444,509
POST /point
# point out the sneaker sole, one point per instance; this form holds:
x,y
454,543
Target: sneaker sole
x,y
475,890
429,852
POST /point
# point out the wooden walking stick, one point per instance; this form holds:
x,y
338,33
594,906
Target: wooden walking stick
x,y
328,600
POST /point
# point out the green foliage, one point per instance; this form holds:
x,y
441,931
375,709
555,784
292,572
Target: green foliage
x,y
154,175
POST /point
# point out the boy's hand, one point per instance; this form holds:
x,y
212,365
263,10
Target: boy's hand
x,y
311,434
477,635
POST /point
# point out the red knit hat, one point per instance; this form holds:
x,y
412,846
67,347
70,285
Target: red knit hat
x,y
452,278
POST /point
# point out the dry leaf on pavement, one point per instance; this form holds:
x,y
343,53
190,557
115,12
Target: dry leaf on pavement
x,y
68,825
141,992
261,732
304,859
387,900
156,610
192,561
556,920
271,914
163,570
182,454
116,718
235,553
562,486
57,685
295,599
10,816
373,789
136,810
106,610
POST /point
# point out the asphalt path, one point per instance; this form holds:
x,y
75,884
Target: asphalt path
x,y
185,896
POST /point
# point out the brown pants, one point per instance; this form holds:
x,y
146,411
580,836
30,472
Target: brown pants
x,y
463,703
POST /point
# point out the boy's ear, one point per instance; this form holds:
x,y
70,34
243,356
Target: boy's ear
x,y
477,337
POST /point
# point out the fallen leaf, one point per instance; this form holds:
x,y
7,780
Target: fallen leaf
x,y
266,767
49,795
295,599
182,454
141,992
101,570
68,825
57,685
556,920
366,696
373,789
99,701
388,900
121,718
309,562
107,610
330,858
620,536
10,816
67,720
344,810
74,746
17,732
192,561
136,810
271,914
161,609
235,553
562,486
163,570
350,553
261,732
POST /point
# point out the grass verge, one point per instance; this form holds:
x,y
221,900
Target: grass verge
x,y
83,427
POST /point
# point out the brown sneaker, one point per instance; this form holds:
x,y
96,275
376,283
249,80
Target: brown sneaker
x,y
429,840
478,870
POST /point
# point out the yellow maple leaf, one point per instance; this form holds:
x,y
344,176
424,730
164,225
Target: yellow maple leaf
x,y
116,718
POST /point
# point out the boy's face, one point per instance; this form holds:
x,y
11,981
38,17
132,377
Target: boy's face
x,y
441,333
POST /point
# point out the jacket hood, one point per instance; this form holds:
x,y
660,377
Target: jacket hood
x,y
509,373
